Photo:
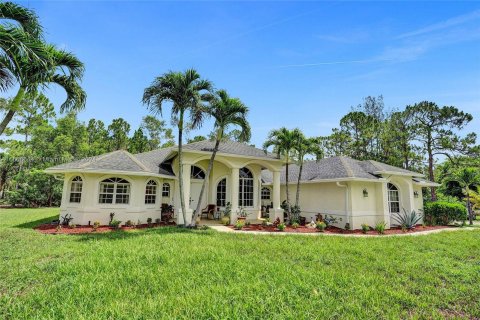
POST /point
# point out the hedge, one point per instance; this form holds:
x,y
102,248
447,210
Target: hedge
x,y
444,213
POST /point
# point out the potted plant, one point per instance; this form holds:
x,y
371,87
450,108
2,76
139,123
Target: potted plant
x,y
242,214
226,214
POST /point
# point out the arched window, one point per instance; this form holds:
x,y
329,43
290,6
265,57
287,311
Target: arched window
x,y
197,173
393,198
265,193
222,193
166,190
245,191
151,192
115,191
76,190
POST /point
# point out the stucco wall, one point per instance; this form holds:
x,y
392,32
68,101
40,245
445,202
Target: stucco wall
x,y
90,210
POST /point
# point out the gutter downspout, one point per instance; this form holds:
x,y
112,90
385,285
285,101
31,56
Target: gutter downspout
x,y
348,216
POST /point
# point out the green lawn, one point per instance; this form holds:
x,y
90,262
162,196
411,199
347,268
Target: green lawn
x,y
172,273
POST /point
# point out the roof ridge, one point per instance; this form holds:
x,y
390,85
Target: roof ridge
x,y
134,159
98,158
347,167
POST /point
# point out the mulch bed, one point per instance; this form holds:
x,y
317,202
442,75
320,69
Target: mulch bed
x,y
52,228
335,230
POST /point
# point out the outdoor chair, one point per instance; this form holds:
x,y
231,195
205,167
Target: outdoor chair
x,y
209,211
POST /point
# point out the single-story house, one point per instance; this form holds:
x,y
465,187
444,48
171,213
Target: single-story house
x,y
135,186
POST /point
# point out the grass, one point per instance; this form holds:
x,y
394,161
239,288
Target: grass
x,y
172,273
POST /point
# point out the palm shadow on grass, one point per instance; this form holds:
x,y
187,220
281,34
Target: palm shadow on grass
x,y
36,223
127,234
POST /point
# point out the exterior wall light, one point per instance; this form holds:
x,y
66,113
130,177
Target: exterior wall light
x,y
365,193
415,194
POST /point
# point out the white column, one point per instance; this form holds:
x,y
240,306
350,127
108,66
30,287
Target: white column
x,y
386,209
234,183
276,212
186,192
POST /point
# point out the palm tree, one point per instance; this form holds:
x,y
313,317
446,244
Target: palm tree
x,y
20,39
284,142
188,92
62,68
226,111
305,146
474,200
467,177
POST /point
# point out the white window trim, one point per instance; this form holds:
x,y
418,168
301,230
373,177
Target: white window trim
x,y
154,184
169,189
72,182
114,194
217,193
241,190
390,201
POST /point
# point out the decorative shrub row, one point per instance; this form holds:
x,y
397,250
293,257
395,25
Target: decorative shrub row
x,y
444,213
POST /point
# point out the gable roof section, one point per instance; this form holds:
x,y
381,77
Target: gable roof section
x,y
338,168
149,162
230,148
119,160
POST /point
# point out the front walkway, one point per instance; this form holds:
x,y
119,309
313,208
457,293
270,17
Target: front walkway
x,y
221,228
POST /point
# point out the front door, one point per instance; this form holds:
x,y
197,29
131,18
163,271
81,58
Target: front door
x,y
195,188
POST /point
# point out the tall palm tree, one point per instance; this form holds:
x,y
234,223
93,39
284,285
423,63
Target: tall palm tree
x,y
226,111
284,142
20,35
467,177
188,93
62,68
305,146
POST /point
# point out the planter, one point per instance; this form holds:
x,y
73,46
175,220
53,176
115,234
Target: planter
x,y
225,220
241,219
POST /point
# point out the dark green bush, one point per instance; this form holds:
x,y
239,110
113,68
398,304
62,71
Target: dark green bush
x,y
444,213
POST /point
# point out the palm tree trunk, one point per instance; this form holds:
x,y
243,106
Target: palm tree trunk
x,y
297,197
207,176
180,168
286,190
12,109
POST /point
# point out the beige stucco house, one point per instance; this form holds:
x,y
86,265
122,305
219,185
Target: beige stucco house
x,y
136,186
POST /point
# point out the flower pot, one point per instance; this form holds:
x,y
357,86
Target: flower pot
x,y
225,220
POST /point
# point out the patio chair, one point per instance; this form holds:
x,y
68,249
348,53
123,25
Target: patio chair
x,y
209,210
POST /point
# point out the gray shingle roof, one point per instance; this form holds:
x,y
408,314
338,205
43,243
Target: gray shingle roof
x,y
230,147
118,160
335,168
149,162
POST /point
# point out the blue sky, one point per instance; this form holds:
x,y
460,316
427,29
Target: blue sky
x,y
295,64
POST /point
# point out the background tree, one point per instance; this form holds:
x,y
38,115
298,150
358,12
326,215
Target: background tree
x,y
139,142
188,92
159,135
197,139
118,134
227,112
467,177
97,136
284,142
434,129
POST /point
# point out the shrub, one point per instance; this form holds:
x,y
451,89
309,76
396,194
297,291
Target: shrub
x,y
158,220
380,227
407,220
365,228
149,222
295,225
115,224
265,222
281,226
73,225
321,226
129,223
330,220
96,224
239,225
247,224
347,226
444,213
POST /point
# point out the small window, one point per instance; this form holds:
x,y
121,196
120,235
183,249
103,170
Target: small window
x,y
114,191
197,173
76,190
265,194
151,192
222,193
166,190
393,199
